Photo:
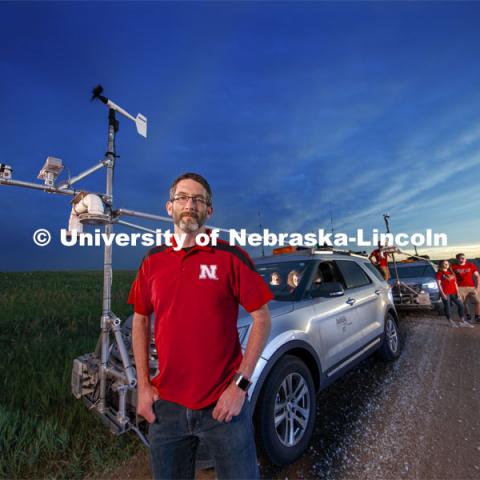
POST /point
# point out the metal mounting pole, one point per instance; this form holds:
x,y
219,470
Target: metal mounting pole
x,y
398,283
107,266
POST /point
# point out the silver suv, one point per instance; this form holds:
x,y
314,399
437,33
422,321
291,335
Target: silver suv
x,y
331,310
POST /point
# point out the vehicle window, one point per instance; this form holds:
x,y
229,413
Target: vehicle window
x,y
412,271
374,270
326,272
285,279
353,274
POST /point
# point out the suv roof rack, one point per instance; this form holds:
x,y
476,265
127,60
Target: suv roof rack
x,y
290,249
340,252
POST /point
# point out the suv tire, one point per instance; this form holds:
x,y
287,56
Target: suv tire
x,y
390,349
289,396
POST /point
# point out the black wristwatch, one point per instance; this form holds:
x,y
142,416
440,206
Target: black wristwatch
x,y
241,381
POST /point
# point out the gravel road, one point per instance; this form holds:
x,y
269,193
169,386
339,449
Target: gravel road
x,y
418,418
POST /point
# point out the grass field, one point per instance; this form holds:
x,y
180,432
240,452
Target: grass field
x,y
46,320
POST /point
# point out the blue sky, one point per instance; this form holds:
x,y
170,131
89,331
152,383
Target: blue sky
x,y
291,108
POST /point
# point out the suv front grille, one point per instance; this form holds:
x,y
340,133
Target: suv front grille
x,y
406,289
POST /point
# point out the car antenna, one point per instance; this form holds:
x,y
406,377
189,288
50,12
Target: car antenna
x,y
261,228
331,219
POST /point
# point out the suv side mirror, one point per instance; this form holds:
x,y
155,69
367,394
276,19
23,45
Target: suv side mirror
x,y
328,290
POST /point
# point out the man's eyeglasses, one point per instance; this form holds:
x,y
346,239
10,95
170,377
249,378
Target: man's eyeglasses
x,y
183,200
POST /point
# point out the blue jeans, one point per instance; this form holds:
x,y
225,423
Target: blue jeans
x,y
177,431
447,305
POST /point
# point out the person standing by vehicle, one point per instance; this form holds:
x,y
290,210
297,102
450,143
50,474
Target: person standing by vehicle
x,y
468,280
200,391
447,284
381,261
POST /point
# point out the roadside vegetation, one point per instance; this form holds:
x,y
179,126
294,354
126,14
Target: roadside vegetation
x,y
46,320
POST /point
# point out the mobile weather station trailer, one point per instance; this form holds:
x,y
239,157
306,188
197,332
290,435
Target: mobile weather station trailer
x,y
106,378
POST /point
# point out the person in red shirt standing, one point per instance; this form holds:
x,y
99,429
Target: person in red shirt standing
x,y
381,261
200,392
468,281
447,284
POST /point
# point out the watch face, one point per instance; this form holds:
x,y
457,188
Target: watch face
x,y
242,383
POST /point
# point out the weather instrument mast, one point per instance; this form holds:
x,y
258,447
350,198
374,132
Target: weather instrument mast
x,y
93,208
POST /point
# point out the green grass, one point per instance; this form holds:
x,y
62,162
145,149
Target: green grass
x,y
46,320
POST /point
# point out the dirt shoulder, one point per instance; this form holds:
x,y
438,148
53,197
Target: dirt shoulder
x,y
418,418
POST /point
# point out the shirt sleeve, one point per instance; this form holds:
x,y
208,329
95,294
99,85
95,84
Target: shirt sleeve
x,y
251,290
140,296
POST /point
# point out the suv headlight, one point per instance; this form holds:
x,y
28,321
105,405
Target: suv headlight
x,y
242,333
430,285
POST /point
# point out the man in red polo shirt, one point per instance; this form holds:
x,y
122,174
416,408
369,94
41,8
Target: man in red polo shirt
x,y
381,261
468,281
201,388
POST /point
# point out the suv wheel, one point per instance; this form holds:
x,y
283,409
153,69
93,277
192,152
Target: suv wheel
x,y
285,416
390,349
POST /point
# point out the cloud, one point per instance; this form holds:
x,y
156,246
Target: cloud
x,y
439,253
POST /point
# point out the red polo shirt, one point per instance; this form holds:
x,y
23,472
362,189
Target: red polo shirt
x,y
195,297
464,274
380,257
447,281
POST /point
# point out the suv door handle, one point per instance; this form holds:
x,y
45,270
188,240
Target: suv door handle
x,y
351,301
378,292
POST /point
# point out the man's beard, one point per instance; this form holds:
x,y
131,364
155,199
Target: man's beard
x,y
189,225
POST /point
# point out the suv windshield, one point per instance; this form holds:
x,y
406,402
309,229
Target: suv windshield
x,y
286,279
413,271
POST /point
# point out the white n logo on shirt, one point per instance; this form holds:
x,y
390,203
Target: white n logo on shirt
x,y
208,271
